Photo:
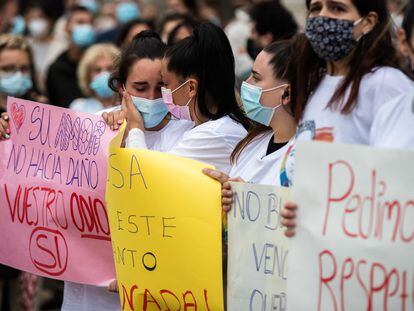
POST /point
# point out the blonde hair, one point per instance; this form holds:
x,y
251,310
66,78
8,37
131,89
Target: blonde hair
x,y
14,42
91,55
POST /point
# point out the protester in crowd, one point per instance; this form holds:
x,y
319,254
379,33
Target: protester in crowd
x,y
8,10
139,74
180,32
361,74
198,74
17,78
40,22
269,99
170,22
238,31
188,7
130,30
61,38
11,20
92,5
106,19
62,83
17,71
353,73
271,21
94,70
125,12
209,11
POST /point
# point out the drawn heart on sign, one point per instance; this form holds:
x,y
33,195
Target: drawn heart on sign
x,y
18,115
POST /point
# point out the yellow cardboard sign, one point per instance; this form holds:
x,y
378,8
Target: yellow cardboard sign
x,y
165,220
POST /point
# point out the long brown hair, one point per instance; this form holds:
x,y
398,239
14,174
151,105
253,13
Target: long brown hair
x,y
375,49
284,54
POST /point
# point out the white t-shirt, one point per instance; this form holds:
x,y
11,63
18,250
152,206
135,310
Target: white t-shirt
x,y
211,142
322,123
89,105
376,89
81,297
254,166
169,136
84,297
393,126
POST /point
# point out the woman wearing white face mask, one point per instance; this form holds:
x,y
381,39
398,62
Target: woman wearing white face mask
x,y
94,71
40,21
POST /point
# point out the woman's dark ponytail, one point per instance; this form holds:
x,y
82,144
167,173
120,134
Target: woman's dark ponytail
x,y
146,44
207,54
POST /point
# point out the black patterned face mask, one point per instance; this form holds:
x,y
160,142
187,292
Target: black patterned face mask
x,y
332,39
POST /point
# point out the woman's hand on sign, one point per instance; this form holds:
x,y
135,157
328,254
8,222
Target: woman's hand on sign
x,y
133,116
113,286
226,192
4,126
114,119
289,218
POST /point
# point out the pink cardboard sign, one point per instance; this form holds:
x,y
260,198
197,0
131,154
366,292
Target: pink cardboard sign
x,y
53,219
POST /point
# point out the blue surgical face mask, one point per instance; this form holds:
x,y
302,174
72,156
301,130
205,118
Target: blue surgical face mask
x,y
100,85
91,5
153,111
18,25
250,95
16,84
83,35
127,11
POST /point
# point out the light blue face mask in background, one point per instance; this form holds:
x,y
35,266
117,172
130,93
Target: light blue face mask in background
x,y
91,5
18,25
153,111
250,95
16,84
100,85
83,35
126,12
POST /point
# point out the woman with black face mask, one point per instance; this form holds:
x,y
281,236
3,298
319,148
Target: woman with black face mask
x,y
349,71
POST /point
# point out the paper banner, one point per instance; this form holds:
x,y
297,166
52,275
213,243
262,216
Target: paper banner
x,y
257,249
354,248
165,219
53,220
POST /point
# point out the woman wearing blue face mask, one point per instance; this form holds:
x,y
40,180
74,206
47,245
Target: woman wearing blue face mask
x,y
139,74
16,76
94,71
198,76
17,80
127,11
269,99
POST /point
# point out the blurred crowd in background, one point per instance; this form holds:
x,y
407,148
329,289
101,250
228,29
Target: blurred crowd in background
x,y
63,52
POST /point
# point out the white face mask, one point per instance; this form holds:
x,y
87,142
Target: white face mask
x,y
38,27
105,23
